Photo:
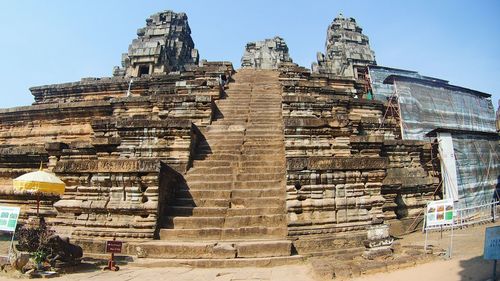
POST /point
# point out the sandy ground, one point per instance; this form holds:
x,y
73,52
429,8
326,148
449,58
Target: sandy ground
x,y
466,263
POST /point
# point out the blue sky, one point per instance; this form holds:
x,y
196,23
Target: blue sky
x,y
46,42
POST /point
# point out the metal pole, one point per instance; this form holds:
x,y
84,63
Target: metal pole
x,y
425,219
425,243
451,238
12,242
494,270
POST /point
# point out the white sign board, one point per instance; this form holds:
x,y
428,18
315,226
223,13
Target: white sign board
x,y
439,213
8,218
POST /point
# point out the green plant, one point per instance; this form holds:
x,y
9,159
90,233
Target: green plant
x,y
39,256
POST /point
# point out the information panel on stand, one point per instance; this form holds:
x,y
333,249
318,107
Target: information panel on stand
x,y
439,213
8,218
492,243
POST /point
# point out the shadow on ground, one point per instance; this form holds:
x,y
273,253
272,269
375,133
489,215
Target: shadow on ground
x,y
478,269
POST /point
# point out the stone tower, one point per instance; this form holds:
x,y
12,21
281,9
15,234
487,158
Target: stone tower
x,y
267,54
163,46
347,49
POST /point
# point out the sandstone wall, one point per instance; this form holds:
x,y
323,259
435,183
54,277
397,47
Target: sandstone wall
x,y
345,169
118,154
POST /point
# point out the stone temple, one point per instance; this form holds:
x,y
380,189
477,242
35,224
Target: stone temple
x,y
201,164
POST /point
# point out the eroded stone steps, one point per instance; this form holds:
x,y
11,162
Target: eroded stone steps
x,y
254,202
195,222
219,211
203,234
213,250
236,188
229,193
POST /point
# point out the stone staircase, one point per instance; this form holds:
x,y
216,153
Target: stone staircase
x,y
234,202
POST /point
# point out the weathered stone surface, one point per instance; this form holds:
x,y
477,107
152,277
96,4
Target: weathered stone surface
x,y
260,249
236,190
164,45
329,163
340,163
267,54
347,48
217,170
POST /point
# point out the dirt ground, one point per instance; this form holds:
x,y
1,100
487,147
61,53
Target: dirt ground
x,y
466,263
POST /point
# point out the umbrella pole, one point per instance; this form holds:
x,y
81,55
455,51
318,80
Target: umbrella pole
x,y
37,204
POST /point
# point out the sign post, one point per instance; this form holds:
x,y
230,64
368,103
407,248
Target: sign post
x,y
492,247
8,221
113,247
439,214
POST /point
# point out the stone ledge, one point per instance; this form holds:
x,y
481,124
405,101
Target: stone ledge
x,y
108,166
336,163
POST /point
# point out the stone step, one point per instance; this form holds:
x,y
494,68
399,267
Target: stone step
x,y
235,129
258,193
222,140
231,250
220,136
271,143
263,133
199,202
209,178
203,185
228,193
218,157
260,176
275,127
194,222
214,170
248,151
216,263
256,211
264,138
262,169
257,202
211,163
222,130
257,184
265,121
263,158
232,121
187,211
266,163
268,220
216,152
206,194
226,112
196,211
205,234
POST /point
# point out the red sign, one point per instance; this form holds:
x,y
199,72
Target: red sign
x,y
114,247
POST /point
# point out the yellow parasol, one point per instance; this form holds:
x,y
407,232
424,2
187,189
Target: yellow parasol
x,y
39,182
